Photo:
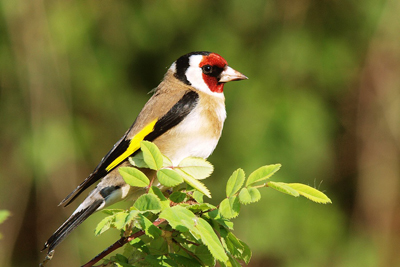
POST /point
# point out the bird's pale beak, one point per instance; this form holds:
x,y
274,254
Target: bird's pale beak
x,y
229,74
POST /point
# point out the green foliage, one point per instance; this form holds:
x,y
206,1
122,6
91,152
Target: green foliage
x,y
177,228
134,177
151,155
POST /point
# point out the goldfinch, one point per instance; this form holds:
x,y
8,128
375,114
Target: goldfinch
x,y
184,118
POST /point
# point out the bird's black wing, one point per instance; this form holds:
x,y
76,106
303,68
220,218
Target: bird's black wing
x,y
126,147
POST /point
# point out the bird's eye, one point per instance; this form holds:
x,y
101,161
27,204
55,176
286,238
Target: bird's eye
x,y
207,69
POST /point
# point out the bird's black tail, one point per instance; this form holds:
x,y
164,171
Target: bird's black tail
x,y
70,224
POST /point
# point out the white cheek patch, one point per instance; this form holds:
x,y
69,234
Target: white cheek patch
x,y
194,73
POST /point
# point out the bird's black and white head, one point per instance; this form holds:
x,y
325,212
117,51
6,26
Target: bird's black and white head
x,y
205,71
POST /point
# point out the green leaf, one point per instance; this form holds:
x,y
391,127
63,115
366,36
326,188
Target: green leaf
x,y
262,173
138,160
103,225
112,211
310,193
120,220
149,228
231,243
148,202
164,201
120,260
198,168
284,188
233,261
152,155
195,183
205,255
235,182
249,195
234,241
161,260
167,162
198,196
184,261
157,191
200,207
230,207
134,177
210,239
169,178
179,218
177,197
246,254
216,216
132,215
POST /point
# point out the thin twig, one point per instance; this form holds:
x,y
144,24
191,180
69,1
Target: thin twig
x,y
122,241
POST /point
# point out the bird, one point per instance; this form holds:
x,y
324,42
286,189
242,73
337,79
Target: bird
x,y
184,117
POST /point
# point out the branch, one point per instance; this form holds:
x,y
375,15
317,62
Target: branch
x,y
122,241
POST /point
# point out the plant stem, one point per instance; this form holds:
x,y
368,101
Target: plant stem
x,y
122,241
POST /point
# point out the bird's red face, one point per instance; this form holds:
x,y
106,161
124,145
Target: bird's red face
x,y
205,71
212,66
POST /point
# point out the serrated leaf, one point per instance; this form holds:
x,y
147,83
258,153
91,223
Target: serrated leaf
x,y
120,220
148,202
134,177
231,243
138,161
120,260
195,183
234,240
164,201
184,261
217,217
169,178
179,218
152,155
149,228
310,193
177,197
246,254
210,239
235,182
205,255
132,215
284,188
103,225
230,207
198,196
262,173
198,168
249,195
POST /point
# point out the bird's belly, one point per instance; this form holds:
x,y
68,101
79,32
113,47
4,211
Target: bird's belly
x,y
193,137
197,147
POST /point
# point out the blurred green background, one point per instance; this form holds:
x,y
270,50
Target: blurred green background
x,y
323,99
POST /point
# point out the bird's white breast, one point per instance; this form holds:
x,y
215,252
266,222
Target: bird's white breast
x,y
197,135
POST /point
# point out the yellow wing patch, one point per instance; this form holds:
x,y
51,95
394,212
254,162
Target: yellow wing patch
x,y
133,145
